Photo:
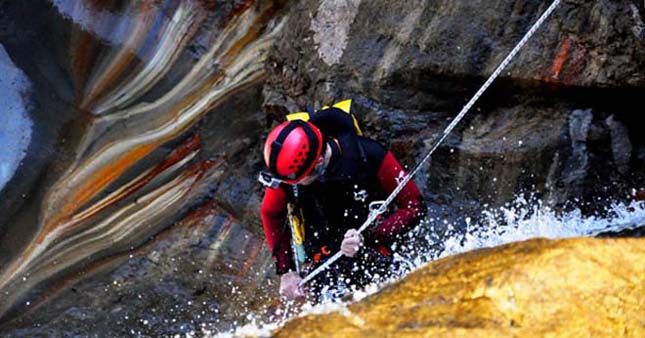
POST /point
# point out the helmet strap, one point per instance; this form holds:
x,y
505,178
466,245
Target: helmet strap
x,y
335,151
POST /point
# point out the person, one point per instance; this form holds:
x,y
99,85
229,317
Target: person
x,y
322,176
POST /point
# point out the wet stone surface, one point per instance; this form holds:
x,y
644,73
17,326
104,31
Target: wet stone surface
x,y
147,140
206,272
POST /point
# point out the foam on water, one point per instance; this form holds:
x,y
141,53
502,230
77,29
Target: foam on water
x,y
15,125
522,220
518,221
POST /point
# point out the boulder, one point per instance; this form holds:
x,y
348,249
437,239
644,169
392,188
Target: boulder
x,y
576,287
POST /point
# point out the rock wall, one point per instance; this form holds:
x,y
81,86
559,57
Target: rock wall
x,y
560,123
148,119
122,97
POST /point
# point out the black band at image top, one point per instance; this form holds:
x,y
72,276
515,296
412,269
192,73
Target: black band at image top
x,y
276,146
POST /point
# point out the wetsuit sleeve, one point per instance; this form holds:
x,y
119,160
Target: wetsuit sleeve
x,y
278,236
411,208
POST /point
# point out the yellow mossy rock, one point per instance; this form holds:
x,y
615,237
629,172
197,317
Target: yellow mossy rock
x,y
539,288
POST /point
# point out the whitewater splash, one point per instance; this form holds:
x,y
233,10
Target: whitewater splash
x,y
520,220
523,219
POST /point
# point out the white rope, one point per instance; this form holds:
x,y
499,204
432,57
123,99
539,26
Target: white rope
x,y
379,207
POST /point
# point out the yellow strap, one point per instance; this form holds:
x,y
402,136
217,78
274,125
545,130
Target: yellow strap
x,y
358,129
296,222
344,105
298,230
304,116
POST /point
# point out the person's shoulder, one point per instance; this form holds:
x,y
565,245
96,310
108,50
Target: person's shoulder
x,y
333,122
374,150
371,144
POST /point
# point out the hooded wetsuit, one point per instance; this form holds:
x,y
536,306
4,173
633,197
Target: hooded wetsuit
x,y
360,171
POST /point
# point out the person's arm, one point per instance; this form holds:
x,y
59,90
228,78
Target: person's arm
x,y
411,208
278,236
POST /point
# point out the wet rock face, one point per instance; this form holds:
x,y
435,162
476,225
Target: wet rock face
x,y
148,120
119,93
560,122
583,44
534,288
202,273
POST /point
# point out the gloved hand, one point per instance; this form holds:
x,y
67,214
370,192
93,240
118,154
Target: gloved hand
x,y
351,243
289,288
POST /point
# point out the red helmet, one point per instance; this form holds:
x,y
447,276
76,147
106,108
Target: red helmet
x,y
291,150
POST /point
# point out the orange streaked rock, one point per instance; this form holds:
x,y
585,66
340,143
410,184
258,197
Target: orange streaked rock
x,y
560,59
103,177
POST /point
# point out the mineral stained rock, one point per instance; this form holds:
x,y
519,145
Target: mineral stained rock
x,y
537,288
144,111
117,91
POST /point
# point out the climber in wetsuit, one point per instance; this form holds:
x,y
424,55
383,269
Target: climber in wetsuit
x,y
324,177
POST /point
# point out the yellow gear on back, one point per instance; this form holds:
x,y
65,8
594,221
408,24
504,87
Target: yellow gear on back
x,y
344,105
